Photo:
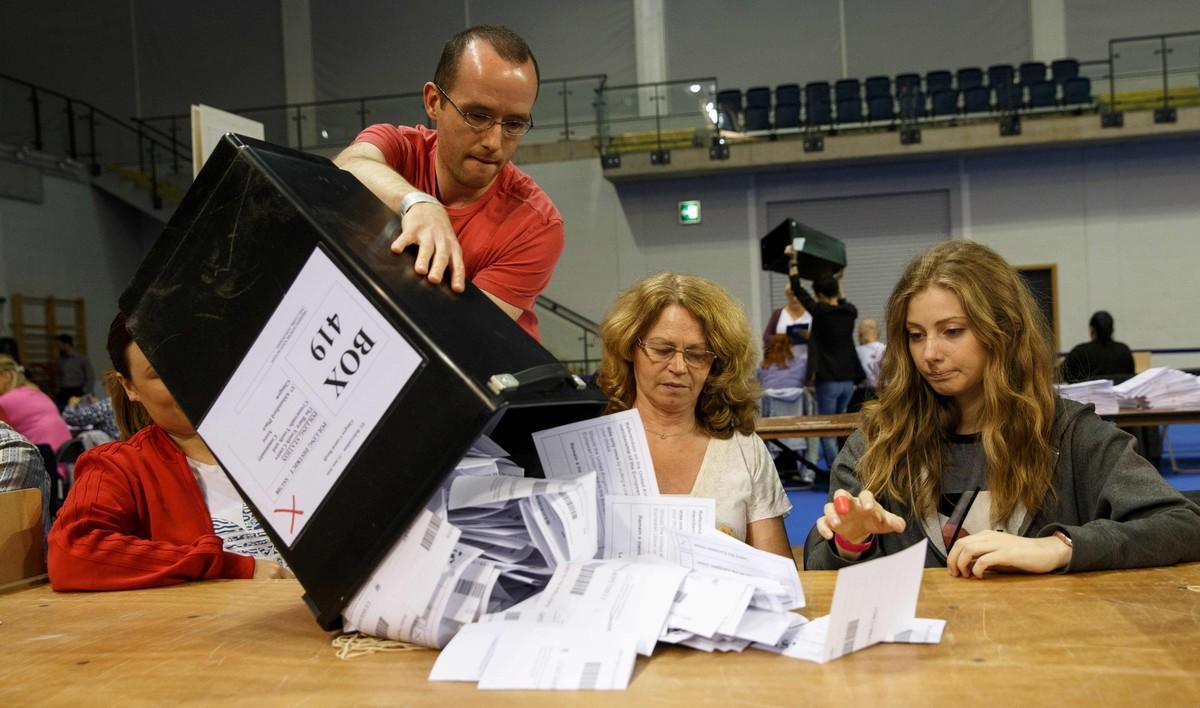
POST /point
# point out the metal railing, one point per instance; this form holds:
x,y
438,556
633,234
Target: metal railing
x,y
565,110
654,116
1154,71
572,337
44,120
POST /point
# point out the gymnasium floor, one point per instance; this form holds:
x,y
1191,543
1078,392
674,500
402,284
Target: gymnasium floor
x,y
1184,440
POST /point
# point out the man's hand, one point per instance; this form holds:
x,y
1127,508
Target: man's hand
x,y
428,226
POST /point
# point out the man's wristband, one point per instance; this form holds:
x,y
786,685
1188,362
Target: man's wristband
x,y
413,198
849,547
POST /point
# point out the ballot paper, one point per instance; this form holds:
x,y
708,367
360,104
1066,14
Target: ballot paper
x,y
613,446
1100,393
1160,387
532,656
642,526
873,602
714,551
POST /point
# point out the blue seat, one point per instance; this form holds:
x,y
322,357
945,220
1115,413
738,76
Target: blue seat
x,y
729,108
907,82
880,108
1077,90
1009,97
787,115
758,97
977,99
938,81
1043,94
1032,72
943,102
849,110
877,86
1063,69
968,78
818,110
846,89
1000,75
758,118
912,103
787,94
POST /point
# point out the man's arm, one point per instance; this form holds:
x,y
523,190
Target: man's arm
x,y
425,225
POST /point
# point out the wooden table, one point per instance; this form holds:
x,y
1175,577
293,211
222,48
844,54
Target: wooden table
x,y
802,426
1116,638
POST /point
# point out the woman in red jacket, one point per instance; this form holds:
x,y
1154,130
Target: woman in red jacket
x,y
141,512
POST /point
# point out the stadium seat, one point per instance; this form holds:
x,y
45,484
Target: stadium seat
x,y
1043,94
944,102
1000,75
849,110
729,108
758,97
1077,90
1009,97
968,78
977,99
907,82
912,103
787,106
877,86
1032,72
880,108
817,107
758,108
1063,69
938,81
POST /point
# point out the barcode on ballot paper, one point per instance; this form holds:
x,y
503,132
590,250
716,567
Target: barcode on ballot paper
x,y
591,676
381,628
431,532
584,579
851,631
570,506
469,588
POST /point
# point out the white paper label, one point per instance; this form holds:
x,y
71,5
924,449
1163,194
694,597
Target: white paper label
x,y
313,386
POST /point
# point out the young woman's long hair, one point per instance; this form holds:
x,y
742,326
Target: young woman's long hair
x,y
779,353
729,401
907,427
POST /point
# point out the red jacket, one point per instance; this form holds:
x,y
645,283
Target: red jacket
x,y
136,518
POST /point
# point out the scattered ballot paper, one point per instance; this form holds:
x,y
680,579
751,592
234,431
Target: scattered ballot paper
x,y
643,526
873,602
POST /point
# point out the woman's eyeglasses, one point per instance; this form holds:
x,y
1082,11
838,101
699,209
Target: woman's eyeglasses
x,y
659,352
483,121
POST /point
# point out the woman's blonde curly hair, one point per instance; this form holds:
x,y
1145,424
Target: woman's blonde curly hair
x,y
728,402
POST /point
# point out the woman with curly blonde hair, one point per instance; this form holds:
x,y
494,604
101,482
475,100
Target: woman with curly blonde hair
x,y
969,447
677,348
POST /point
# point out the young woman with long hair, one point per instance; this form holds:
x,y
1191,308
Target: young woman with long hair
x,y
969,447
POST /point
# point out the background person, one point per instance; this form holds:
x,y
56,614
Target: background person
x,y
677,348
969,447
1101,356
154,509
782,376
835,368
460,199
73,372
870,356
29,411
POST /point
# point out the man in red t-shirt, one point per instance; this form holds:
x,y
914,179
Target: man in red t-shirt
x,y
461,201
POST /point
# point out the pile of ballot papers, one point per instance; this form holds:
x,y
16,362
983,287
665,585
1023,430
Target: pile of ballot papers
x,y
1099,392
1160,387
560,583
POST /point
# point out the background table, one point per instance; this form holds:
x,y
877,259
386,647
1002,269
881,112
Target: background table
x,y
1115,638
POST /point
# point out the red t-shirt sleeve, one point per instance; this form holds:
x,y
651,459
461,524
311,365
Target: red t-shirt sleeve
x,y
92,545
401,147
524,270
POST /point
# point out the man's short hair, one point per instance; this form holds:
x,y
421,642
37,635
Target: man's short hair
x,y
508,45
66,339
826,285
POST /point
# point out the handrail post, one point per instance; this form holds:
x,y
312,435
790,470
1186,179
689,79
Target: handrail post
x,y
566,115
91,118
299,130
174,146
1166,90
72,148
141,148
37,118
155,198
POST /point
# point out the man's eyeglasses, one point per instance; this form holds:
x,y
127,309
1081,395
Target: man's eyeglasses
x,y
483,121
659,352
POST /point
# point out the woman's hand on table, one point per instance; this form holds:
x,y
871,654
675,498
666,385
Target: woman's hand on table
x,y
975,555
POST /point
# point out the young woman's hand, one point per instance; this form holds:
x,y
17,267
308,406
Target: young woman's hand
x,y
268,570
856,518
975,555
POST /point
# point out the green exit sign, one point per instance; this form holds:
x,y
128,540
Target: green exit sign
x,y
689,212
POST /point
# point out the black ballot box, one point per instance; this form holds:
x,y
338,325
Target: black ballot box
x,y
336,387
816,252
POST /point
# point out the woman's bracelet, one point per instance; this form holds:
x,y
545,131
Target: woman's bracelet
x,y
850,547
